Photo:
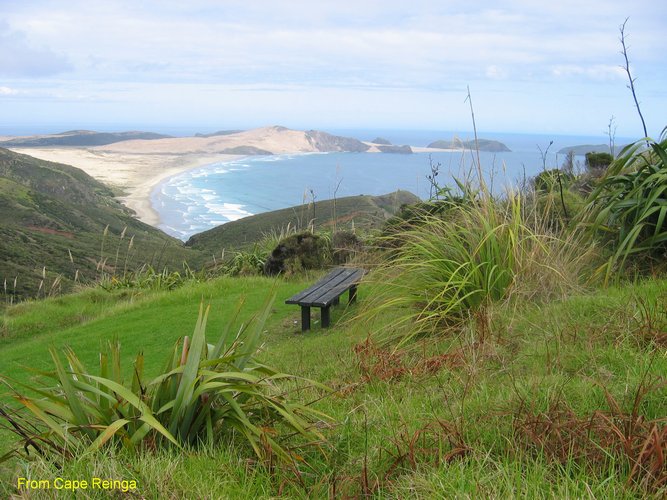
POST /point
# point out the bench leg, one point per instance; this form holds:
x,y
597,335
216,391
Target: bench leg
x,y
336,301
353,295
305,318
326,317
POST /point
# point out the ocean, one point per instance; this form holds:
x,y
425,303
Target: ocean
x,y
203,198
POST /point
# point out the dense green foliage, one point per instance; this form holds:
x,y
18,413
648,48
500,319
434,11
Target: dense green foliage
x,y
463,415
598,161
630,203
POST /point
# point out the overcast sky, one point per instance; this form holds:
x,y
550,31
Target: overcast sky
x,y
544,67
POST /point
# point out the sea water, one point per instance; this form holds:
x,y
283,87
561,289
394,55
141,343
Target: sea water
x,y
206,197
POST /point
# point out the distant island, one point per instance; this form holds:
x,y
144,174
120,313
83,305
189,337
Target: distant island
x,y
487,145
403,150
380,140
585,148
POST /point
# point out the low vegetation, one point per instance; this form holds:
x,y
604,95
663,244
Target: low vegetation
x,y
204,391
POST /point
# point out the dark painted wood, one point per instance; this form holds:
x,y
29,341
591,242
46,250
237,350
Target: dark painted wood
x,y
326,316
353,295
305,318
326,293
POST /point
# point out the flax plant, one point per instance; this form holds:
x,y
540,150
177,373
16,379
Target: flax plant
x,y
205,391
629,206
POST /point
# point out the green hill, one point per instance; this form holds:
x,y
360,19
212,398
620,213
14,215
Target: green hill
x,y
54,216
363,211
78,138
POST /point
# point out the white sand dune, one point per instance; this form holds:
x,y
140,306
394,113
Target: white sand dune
x,y
277,140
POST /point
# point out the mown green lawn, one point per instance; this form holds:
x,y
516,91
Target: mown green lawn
x,y
444,418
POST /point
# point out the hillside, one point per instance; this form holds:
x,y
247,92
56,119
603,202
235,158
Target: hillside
x,y
487,145
78,138
493,419
54,216
363,211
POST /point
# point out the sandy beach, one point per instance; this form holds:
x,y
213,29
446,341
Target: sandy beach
x,y
135,175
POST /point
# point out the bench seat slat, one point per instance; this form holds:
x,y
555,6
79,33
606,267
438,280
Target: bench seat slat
x,y
295,299
325,293
322,293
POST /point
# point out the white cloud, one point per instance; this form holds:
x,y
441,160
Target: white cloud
x,y
8,91
599,72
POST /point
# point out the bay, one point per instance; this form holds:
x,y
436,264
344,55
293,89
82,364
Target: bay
x,y
206,197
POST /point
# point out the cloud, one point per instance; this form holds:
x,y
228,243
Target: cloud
x,y
5,91
19,58
598,72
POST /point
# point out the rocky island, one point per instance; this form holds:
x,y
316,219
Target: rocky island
x,y
487,145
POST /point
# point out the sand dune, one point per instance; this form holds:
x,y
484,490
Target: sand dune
x,y
277,140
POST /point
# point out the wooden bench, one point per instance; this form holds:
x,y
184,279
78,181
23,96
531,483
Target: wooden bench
x,y
326,293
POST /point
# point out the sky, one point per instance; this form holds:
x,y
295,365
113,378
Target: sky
x,y
204,65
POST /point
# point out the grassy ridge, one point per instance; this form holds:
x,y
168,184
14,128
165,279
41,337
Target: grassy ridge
x,y
362,211
54,216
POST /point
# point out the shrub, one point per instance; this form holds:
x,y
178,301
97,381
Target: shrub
x,y
552,180
555,210
204,391
453,267
629,205
299,252
346,245
598,161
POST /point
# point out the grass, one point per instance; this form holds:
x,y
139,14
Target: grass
x,y
450,427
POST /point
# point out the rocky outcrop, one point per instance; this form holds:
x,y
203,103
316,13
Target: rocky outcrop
x,y
403,150
326,143
487,145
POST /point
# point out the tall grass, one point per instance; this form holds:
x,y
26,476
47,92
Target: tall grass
x,y
453,265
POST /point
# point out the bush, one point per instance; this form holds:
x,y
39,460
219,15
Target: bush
x,y
552,180
204,391
629,206
598,161
555,210
346,245
299,252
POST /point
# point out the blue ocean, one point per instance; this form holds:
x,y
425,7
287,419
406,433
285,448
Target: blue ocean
x,y
206,197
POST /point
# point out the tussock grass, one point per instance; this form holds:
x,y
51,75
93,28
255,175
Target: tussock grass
x,y
454,265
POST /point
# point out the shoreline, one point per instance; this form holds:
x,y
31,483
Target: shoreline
x,y
140,199
136,175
